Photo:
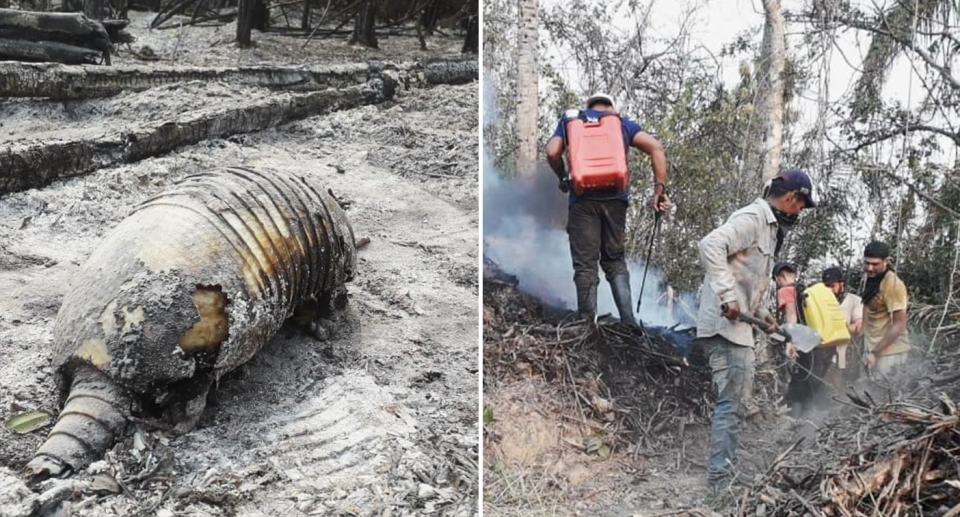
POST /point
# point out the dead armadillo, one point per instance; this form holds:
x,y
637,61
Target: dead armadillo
x,y
186,288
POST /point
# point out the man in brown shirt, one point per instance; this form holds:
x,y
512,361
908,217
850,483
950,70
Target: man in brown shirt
x,y
884,312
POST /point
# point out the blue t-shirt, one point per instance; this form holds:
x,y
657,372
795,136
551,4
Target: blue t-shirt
x,y
630,130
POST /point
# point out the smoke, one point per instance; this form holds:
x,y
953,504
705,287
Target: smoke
x,y
524,232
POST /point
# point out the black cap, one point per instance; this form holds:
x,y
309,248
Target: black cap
x,y
832,275
783,265
797,180
876,249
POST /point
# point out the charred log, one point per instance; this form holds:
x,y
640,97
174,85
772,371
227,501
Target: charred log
x,y
68,28
81,82
23,167
46,51
450,72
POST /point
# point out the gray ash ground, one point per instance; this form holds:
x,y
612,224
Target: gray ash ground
x,y
381,419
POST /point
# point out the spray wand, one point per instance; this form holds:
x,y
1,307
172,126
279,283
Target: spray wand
x,y
646,265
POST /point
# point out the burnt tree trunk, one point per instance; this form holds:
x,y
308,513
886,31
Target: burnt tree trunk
x,y
261,15
471,39
363,32
428,19
471,42
305,19
244,22
93,9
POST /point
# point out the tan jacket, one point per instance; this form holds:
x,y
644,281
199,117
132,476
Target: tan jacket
x,y
738,259
878,315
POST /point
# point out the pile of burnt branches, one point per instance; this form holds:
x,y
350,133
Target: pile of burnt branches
x,y
896,456
633,385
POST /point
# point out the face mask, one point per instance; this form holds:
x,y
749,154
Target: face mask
x,y
785,220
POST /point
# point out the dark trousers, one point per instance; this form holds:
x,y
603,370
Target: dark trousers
x,y
596,229
809,377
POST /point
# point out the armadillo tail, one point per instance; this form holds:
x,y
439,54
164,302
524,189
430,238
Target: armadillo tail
x,y
93,417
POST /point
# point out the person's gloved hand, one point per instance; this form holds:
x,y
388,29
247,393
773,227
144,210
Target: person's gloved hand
x,y
564,185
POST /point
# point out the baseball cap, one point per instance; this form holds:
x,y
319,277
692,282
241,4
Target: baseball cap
x,y
783,265
832,275
797,180
599,97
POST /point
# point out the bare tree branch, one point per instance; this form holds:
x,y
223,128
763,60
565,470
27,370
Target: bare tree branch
x,y
944,70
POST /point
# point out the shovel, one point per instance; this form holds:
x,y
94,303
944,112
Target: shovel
x,y
802,336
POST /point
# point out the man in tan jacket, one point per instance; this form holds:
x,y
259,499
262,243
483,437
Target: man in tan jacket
x,y
884,312
738,258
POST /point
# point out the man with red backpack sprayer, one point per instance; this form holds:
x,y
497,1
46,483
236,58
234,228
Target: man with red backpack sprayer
x,y
597,140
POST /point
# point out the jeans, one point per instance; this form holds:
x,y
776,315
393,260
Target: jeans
x,y
733,371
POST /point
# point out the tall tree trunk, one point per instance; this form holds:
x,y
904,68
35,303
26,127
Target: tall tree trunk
x,y
363,32
528,94
770,90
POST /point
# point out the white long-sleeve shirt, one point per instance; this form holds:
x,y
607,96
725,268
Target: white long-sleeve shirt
x,y
738,258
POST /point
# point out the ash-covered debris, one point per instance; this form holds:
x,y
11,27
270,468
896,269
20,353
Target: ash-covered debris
x,y
642,387
892,447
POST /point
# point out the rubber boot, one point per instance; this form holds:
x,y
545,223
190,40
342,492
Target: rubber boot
x,y
587,302
620,285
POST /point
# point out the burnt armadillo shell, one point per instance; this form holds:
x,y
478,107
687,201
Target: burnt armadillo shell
x,y
267,240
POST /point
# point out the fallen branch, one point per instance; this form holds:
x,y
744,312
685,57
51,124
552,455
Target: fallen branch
x,y
31,166
80,82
